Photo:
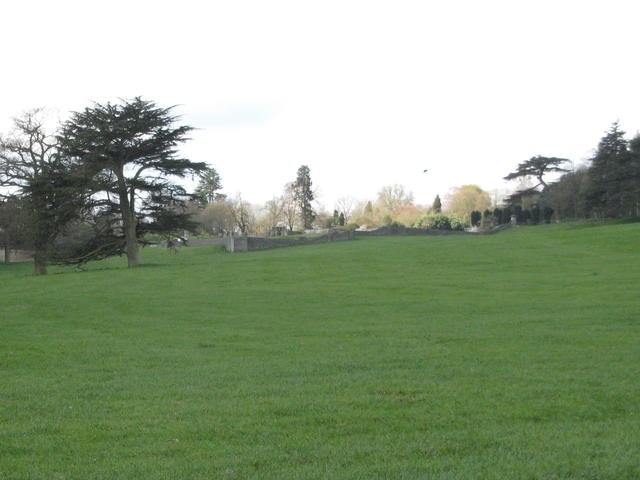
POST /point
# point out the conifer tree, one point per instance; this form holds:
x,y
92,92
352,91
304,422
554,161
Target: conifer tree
x,y
304,196
130,149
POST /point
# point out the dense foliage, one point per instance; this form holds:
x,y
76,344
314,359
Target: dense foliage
x,y
608,187
129,151
44,188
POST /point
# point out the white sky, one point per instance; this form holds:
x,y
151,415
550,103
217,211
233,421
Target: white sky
x,y
366,93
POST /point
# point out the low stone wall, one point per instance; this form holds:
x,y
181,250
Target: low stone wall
x,y
17,255
263,243
244,243
395,230
201,242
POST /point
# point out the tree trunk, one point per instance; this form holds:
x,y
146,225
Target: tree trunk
x,y
7,254
129,224
40,261
131,239
133,258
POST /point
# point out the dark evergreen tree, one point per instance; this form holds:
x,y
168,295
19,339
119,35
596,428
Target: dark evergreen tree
x,y
303,195
437,205
130,149
632,176
336,218
209,183
476,217
537,167
497,216
613,177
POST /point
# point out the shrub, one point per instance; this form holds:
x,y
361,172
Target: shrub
x,y
457,224
440,222
476,216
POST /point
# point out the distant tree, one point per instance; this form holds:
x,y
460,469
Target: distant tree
x,y
342,220
364,214
498,216
48,183
465,199
436,207
335,218
393,197
614,176
567,197
130,149
408,215
208,185
303,195
346,206
368,209
217,218
537,167
632,183
242,214
274,213
290,206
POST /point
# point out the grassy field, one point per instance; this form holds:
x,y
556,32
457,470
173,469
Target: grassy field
x,y
512,356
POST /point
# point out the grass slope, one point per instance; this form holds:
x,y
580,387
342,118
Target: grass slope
x,y
507,356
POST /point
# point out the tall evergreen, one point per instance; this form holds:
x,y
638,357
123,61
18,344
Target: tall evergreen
x,y
613,177
304,196
437,205
209,183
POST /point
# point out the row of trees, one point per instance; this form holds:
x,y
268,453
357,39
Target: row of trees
x,y
607,187
285,213
219,215
103,181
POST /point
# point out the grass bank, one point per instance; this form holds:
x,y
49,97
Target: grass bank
x,y
506,356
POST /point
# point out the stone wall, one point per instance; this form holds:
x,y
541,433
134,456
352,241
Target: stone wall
x,y
244,243
263,243
395,230
17,255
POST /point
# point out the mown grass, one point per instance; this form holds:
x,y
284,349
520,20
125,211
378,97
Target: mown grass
x,y
507,356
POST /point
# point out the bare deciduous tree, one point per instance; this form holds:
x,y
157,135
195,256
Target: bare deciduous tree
x,y
32,168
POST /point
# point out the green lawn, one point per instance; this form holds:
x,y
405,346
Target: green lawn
x,y
511,356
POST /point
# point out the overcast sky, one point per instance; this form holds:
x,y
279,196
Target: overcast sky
x,y
366,93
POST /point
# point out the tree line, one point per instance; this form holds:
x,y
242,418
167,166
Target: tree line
x,y
608,186
104,182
